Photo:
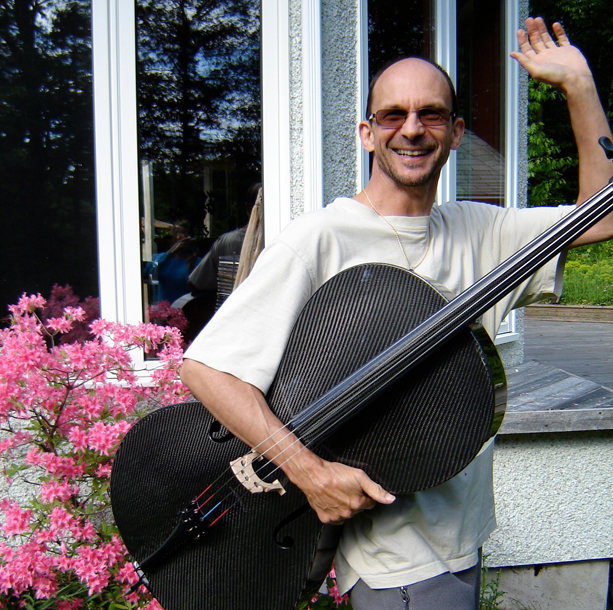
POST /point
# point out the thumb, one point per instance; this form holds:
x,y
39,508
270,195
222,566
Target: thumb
x,y
376,492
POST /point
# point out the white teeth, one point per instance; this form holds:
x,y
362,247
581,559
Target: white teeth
x,y
412,153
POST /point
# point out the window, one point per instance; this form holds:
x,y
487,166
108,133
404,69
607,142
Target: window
x,y
48,233
481,171
470,40
199,127
398,28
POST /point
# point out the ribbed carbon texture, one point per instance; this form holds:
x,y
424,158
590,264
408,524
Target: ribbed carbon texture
x,y
164,462
422,430
417,433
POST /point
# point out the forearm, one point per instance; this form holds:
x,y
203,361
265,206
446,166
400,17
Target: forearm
x,y
334,490
564,67
242,409
589,123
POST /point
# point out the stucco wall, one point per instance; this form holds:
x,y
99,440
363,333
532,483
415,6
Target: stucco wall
x,y
553,499
339,41
296,115
340,97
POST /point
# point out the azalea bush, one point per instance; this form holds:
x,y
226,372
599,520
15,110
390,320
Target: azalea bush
x,y
333,599
163,313
64,407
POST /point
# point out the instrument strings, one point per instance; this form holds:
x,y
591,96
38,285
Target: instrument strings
x,y
309,426
480,296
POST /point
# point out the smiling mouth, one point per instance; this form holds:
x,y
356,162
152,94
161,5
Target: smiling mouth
x,y
412,153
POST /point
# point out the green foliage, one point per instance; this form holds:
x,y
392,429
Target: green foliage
x,y
491,596
588,276
553,179
547,161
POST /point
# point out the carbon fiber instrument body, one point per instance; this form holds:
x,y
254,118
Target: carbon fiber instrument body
x,y
420,431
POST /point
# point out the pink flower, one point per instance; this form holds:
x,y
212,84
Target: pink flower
x,y
60,325
73,400
57,490
104,471
91,568
61,522
105,438
16,520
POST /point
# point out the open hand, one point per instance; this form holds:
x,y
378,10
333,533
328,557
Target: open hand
x,y
556,63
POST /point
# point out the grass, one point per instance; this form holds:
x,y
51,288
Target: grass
x,y
491,595
588,277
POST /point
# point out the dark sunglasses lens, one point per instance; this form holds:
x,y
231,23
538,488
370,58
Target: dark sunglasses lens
x,y
391,118
431,116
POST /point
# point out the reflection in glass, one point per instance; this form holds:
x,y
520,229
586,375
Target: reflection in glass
x,y
480,83
398,28
199,117
47,192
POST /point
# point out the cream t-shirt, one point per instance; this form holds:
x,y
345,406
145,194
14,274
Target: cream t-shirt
x,y
426,533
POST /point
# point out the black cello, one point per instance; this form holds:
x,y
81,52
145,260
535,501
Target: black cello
x,y
411,398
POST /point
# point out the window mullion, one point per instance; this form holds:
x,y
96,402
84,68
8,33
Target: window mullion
x,y
116,160
445,54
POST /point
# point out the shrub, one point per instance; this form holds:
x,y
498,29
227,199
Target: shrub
x,y
64,408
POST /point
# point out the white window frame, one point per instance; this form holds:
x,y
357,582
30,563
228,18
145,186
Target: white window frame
x,y
276,150
116,144
445,54
117,175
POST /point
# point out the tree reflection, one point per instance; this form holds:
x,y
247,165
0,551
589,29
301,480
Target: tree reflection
x,y
199,106
48,228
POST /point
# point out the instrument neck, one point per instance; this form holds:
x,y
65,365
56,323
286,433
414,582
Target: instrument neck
x,y
319,419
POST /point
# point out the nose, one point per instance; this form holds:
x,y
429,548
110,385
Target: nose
x,y
412,126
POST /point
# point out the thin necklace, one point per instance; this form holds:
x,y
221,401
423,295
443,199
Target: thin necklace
x,y
393,228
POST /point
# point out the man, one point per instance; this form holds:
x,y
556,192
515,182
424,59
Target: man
x,y
419,551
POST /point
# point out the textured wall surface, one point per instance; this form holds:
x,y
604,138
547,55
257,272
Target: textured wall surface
x,y
340,96
339,21
553,499
295,113
582,585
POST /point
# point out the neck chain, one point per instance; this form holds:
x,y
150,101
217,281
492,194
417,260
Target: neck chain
x,y
393,228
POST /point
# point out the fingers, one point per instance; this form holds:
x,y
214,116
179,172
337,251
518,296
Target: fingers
x,y
560,34
375,491
537,39
343,493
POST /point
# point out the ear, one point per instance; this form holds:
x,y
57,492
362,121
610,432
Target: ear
x,y
457,131
367,136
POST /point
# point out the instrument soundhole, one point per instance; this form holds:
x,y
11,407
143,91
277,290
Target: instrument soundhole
x,y
218,433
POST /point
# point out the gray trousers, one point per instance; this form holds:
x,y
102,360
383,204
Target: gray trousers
x,y
457,591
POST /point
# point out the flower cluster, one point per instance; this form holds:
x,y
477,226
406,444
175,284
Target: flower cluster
x,y
64,407
165,314
333,599
62,299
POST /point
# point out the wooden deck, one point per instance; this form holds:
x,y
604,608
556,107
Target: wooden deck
x,y
543,398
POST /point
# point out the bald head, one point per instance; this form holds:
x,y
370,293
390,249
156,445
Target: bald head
x,y
402,67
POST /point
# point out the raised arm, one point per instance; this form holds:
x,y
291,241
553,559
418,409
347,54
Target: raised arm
x,y
562,65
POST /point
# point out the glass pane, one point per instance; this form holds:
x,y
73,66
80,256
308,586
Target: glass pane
x,y
480,83
398,28
47,192
199,117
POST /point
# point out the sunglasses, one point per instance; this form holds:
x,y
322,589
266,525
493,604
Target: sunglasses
x,y
394,118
